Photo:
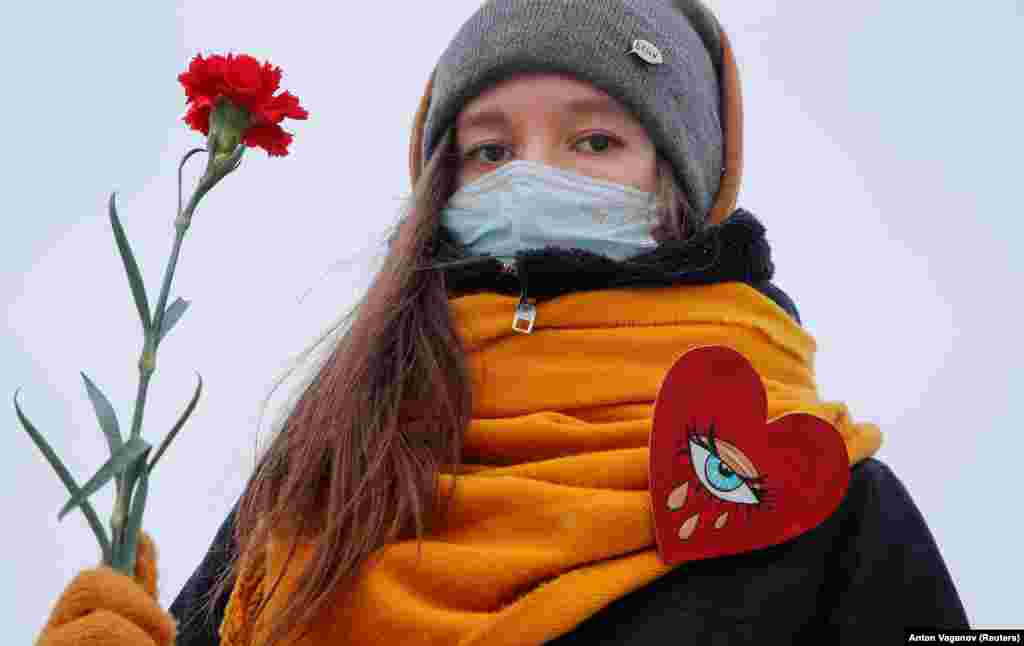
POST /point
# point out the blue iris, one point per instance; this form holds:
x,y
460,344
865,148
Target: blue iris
x,y
720,476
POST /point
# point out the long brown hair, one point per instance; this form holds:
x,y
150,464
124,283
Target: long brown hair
x,y
356,462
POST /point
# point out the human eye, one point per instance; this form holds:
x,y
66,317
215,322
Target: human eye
x,y
720,478
600,141
472,154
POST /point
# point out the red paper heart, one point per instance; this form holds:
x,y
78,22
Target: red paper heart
x,y
722,479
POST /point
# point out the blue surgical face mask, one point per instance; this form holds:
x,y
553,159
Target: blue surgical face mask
x,y
529,205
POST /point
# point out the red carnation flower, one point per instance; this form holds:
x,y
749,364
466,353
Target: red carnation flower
x,y
246,84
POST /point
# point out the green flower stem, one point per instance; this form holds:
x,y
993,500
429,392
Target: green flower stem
x,y
123,546
127,518
124,554
180,229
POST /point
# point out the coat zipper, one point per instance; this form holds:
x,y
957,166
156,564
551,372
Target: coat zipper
x,y
526,311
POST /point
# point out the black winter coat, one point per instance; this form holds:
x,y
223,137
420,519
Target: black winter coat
x,y
869,571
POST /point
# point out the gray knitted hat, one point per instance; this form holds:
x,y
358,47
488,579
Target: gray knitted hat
x,y
673,88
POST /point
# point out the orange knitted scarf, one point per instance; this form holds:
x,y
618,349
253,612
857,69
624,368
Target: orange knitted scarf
x,y
553,521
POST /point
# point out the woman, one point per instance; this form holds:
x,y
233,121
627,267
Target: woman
x,y
469,465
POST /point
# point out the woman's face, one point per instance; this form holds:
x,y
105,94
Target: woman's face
x,y
556,120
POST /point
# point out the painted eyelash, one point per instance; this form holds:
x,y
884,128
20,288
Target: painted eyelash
x,y
765,503
713,448
758,484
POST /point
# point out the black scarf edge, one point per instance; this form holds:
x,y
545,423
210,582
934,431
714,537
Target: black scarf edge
x,y
733,250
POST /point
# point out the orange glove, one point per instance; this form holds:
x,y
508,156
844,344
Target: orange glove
x,y
103,607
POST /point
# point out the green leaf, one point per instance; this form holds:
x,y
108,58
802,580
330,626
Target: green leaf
x,y
171,316
105,414
134,523
44,446
131,450
65,477
177,426
107,418
134,277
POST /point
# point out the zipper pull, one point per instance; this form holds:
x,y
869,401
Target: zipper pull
x,y
526,310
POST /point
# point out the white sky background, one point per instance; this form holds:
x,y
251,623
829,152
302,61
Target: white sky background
x,y
882,145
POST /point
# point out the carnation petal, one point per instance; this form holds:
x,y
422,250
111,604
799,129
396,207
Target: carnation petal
x,y
269,137
283,105
202,78
243,75
271,78
249,85
199,119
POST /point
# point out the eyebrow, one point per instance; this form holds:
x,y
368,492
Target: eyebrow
x,y
497,117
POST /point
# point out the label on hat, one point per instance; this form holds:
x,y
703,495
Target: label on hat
x,y
646,51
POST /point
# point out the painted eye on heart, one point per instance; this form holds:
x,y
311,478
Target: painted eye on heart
x,y
723,472
723,479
